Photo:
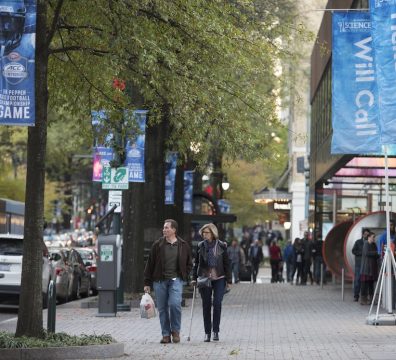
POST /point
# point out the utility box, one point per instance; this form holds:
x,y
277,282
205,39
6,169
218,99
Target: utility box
x,y
109,249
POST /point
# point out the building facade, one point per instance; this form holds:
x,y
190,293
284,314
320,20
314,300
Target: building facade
x,y
341,187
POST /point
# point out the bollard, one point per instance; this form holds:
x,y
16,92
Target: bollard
x,y
342,284
321,275
51,307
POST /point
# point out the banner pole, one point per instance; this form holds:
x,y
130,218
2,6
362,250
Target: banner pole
x,y
388,258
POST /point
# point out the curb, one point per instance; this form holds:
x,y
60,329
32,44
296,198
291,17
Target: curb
x,y
67,352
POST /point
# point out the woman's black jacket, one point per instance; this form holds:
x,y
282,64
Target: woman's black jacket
x,y
201,267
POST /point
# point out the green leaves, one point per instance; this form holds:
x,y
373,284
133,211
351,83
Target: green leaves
x,y
211,63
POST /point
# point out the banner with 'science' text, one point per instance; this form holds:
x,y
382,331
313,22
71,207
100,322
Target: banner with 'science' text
x,y
17,56
355,117
383,17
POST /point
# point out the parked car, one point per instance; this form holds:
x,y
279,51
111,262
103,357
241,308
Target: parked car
x,y
81,283
90,258
11,251
63,273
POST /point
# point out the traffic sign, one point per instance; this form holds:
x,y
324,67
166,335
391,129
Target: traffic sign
x,y
115,198
115,178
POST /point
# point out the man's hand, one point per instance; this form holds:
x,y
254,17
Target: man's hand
x,y
147,289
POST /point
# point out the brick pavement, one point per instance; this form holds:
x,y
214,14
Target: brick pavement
x,y
259,321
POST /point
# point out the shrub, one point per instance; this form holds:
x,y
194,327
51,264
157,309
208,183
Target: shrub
x,y
9,341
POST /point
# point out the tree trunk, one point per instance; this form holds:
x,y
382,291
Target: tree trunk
x,y
133,235
154,189
30,315
68,195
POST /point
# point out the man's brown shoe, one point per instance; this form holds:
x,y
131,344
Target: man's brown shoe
x,y
175,337
165,340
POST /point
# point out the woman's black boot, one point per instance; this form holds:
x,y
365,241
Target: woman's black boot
x,y
207,338
215,336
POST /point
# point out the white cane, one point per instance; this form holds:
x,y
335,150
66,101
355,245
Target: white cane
x,y
192,312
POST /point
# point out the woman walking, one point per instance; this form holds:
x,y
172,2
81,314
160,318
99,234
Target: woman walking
x,y
275,258
212,261
299,260
369,269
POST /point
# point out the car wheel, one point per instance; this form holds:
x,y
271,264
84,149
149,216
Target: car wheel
x,y
86,294
65,299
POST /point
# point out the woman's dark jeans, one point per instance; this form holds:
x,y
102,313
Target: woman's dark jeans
x,y
217,289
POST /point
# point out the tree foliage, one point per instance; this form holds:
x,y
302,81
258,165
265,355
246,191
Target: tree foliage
x,y
211,64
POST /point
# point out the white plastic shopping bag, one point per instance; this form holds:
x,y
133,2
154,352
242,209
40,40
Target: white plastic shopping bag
x,y
147,307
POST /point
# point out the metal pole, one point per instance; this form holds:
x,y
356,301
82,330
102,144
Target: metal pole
x,y
388,283
342,283
51,317
192,312
321,275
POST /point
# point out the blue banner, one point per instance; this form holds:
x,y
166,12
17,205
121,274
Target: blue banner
x,y
224,206
383,17
135,150
17,54
188,191
354,91
170,177
103,154
101,157
98,121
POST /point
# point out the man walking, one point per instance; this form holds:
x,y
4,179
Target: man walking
x,y
357,250
307,246
317,256
289,258
256,257
168,265
234,254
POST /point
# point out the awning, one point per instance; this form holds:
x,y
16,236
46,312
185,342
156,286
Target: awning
x,y
268,195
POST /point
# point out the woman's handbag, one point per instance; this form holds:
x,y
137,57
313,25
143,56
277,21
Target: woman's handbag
x,y
204,282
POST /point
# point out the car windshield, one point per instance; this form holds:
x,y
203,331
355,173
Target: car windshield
x,y
11,246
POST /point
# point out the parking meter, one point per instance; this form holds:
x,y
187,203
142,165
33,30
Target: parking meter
x,y
109,249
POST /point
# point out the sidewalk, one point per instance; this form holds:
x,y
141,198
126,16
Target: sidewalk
x,y
259,321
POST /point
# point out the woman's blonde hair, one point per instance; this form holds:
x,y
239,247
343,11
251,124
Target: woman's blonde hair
x,y
212,228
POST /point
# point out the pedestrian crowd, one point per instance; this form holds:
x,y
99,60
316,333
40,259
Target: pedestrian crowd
x,y
304,260
369,254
